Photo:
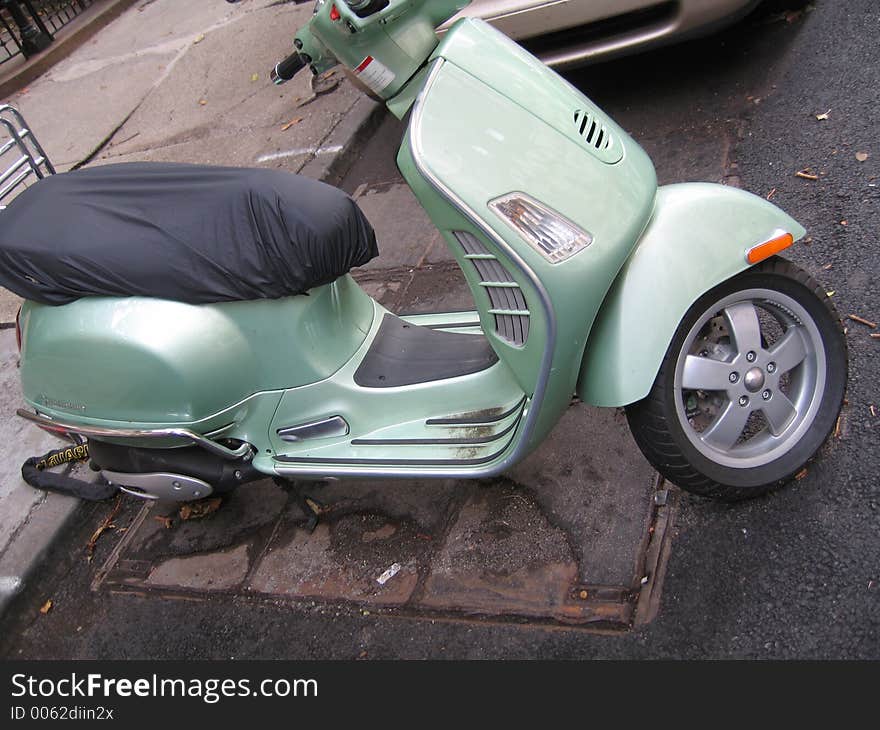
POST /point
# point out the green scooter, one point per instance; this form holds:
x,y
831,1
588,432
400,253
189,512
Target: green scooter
x,y
588,279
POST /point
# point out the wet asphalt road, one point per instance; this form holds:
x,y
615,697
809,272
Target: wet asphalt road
x,y
795,574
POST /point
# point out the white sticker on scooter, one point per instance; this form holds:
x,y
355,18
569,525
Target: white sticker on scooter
x,y
376,75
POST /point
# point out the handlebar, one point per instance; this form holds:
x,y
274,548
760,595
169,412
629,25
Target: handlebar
x,y
285,70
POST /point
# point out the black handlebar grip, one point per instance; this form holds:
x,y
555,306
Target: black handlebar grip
x,y
285,70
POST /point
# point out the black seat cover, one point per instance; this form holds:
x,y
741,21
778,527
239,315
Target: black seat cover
x,y
184,232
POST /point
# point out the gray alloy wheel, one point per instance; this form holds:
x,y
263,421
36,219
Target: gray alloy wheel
x,y
750,387
749,378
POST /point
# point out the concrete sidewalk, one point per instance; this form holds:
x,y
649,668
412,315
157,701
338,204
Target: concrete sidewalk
x,y
177,82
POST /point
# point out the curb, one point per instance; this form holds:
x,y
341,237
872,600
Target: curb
x,y
80,30
26,553
359,123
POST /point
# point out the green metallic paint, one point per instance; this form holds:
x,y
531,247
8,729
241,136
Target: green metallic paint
x,y
483,143
697,238
158,363
400,37
406,97
396,413
487,54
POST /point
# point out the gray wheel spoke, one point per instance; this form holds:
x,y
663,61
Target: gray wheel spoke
x,y
789,351
779,411
703,373
726,429
742,319
720,428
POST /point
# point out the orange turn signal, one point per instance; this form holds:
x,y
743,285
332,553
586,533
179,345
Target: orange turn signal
x,y
765,250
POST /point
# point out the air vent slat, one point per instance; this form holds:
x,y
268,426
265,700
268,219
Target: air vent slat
x,y
507,301
590,129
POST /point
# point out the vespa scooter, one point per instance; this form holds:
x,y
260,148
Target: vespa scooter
x,y
587,277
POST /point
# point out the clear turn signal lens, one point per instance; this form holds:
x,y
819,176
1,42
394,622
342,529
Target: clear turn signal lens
x,y
552,235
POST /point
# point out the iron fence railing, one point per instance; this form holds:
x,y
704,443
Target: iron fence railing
x,y
27,26
22,159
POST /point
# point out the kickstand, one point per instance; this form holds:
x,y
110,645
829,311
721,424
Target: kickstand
x,y
310,506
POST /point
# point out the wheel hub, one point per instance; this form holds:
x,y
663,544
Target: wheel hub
x,y
754,380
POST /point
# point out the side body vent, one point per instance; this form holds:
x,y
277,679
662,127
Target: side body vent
x,y
590,128
506,298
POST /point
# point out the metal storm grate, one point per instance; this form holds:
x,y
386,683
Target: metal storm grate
x,y
22,159
506,298
590,128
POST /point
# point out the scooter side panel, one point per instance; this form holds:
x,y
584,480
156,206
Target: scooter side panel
x,y
411,426
482,145
698,237
153,362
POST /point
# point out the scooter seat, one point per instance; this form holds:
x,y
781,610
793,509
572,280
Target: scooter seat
x,y
188,233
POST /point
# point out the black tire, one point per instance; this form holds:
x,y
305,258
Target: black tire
x,y
684,458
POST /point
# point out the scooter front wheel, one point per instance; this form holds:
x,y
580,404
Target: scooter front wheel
x,y
750,387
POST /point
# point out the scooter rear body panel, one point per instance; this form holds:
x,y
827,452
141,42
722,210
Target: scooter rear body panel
x,y
152,363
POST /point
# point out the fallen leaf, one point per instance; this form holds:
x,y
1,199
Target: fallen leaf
x,y
862,320
830,294
202,508
106,524
844,222
801,474
285,127
827,266
199,38
806,174
823,116
255,77
167,521
875,335
771,194
862,156
202,102
315,507
46,607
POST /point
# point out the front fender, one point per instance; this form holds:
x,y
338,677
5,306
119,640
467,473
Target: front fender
x,y
697,238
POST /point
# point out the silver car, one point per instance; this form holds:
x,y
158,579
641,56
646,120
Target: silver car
x,y
565,33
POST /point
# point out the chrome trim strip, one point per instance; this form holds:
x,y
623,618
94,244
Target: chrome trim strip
x,y
382,464
325,428
471,418
126,433
437,442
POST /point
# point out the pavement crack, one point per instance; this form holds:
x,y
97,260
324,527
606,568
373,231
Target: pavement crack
x,y
102,145
322,142
24,523
453,511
